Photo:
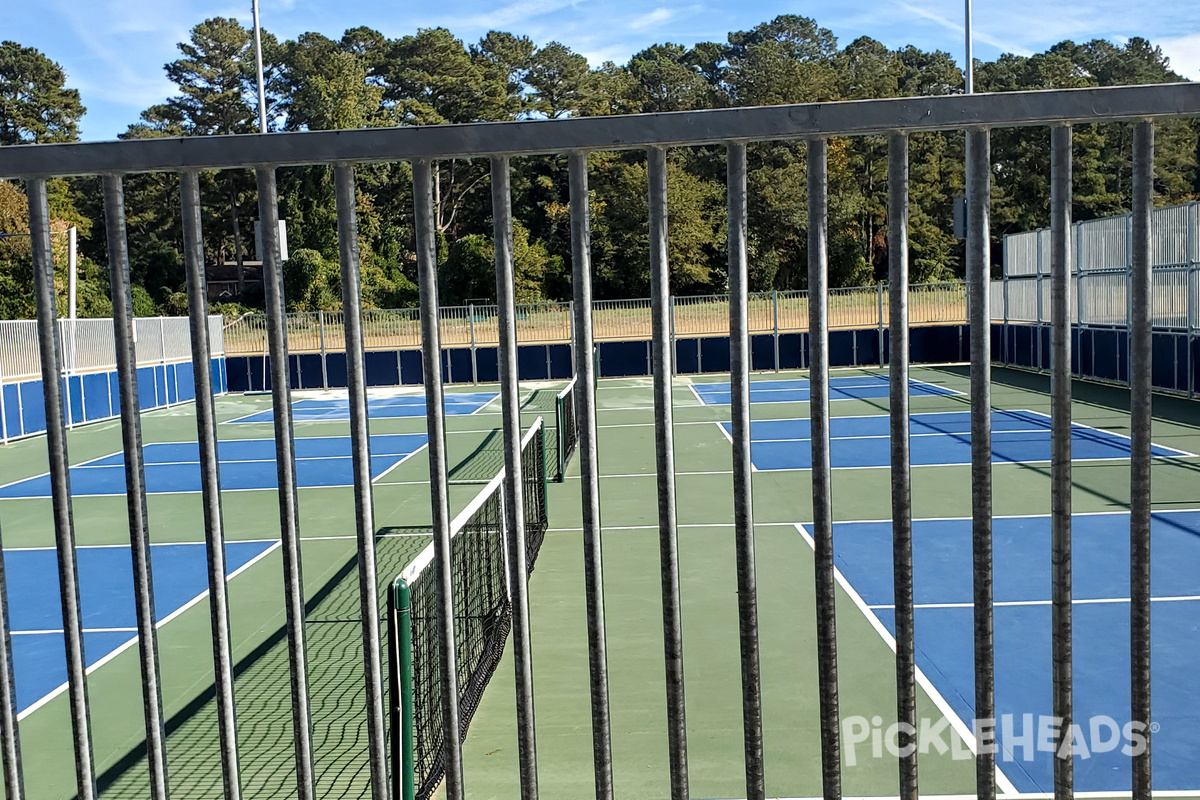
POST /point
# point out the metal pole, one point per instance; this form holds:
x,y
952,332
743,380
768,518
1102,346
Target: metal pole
x,y
1060,451
262,95
135,483
439,489
826,585
210,483
471,323
775,322
902,563
663,358
589,471
969,62
514,493
10,738
978,291
50,351
285,456
1140,414
321,329
880,312
72,277
743,502
360,443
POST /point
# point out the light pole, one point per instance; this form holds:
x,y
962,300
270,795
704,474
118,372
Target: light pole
x,y
969,65
258,60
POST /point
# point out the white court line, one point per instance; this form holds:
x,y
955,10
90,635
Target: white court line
x,y
1114,433
482,407
966,734
1014,795
729,436
696,394
1187,598
398,463
131,642
911,435
126,546
85,630
1124,513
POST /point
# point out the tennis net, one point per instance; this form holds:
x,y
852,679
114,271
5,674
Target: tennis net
x,y
565,431
482,614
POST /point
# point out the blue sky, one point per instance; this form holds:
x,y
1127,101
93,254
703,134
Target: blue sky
x,y
114,50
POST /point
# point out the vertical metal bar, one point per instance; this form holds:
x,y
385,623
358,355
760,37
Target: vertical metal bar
x,y
285,457
902,563
1140,414
978,290
514,492
743,502
10,738
321,327
435,416
589,472
50,351
775,323
135,483
471,322
360,444
210,483
662,347
1060,452
818,343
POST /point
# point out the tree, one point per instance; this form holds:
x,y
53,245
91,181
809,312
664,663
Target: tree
x,y
35,105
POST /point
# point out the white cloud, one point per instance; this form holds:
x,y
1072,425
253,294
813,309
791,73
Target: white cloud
x,y
1184,52
655,17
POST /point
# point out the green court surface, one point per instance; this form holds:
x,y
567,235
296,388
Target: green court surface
x,y
632,594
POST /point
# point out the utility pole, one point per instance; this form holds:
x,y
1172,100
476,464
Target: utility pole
x,y
969,64
262,93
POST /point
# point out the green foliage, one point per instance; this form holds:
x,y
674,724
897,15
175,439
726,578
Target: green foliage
x,y
35,106
310,283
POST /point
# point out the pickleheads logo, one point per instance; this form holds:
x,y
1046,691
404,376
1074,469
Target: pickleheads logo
x,y
1015,739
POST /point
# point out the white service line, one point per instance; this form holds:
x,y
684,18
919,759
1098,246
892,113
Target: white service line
x,y
966,734
1077,601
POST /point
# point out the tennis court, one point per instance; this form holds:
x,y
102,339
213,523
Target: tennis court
x,y
941,502
411,405
795,390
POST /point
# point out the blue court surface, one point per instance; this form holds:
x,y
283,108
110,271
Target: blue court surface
x,y
935,439
1022,561
245,464
338,408
106,599
850,387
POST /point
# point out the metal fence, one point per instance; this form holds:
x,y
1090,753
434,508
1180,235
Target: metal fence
x,y
857,308
731,128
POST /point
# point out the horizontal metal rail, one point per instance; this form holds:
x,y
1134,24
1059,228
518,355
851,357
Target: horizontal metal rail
x,y
681,128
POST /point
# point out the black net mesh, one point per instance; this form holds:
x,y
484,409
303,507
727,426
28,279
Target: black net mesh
x,y
482,611
567,435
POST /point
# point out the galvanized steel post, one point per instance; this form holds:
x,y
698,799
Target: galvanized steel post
x,y
210,483
285,462
978,292
902,563
589,473
822,533
662,347
50,351
364,499
1140,414
514,494
743,503
1060,454
439,488
135,483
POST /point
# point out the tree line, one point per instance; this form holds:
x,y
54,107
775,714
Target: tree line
x,y
365,79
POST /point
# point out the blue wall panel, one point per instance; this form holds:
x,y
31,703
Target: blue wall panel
x,y
531,362
762,352
841,348
867,348
487,364
382,368
687,356
335,367
146,393
237,374
793,350
33,407
411,369
714,354
12,409
561,365
95,396
458,363
186,378
309,366
619,359
74,387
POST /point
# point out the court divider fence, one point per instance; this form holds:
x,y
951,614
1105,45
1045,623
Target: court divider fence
x,y
731,128
89,372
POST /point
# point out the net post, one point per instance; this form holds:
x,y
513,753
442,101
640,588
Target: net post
x,y
589,472
400,680
898,389
360,444
423,207
978,168
663,357
50,352
210,483
1140,416
818,342
135,483
285,458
